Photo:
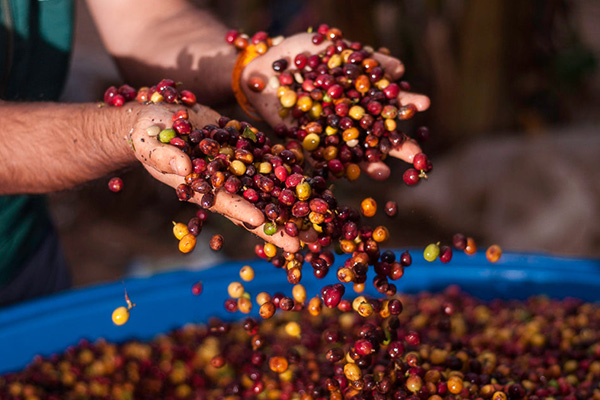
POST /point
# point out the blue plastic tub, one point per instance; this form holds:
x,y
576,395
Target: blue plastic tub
x,y
165,302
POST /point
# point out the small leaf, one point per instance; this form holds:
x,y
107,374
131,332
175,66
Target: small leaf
x,y
249,134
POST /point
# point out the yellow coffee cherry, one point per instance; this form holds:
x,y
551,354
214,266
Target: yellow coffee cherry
x,y
352,172
299,293
390,124
270,250
380,234
120,315
288,99
368,207
315,305
235,290
346,54
315,111
237,167
278,364
311,142
356,112
293,329
350,134
382,83
305,103
330,130
262,298
352,372
244,305
265,168
156,97
303,191
334,61
247,273
180,230
187,243
281,90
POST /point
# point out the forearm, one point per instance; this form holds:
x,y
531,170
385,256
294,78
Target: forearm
x,y
50,146
155,39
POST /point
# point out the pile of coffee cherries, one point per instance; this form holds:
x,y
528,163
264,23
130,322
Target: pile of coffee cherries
x,y
237,158
344,107
412,347
165,91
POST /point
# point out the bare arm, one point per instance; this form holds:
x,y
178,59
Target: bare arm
x,y
49,146
155,39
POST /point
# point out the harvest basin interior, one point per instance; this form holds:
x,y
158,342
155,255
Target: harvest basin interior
x,y
165,301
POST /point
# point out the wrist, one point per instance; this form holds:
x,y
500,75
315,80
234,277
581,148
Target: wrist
x,y
115,126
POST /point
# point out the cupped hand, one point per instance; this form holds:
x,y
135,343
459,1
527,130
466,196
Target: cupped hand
x,y
267,105
170,165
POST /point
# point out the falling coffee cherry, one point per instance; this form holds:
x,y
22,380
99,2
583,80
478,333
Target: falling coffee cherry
x,y
197,288
115,184
216,242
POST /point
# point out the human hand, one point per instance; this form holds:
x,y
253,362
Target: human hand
x,y
170,165
267,104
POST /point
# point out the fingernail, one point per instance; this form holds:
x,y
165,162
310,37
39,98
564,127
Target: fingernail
x,y
173,164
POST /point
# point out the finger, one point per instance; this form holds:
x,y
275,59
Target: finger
x,y
279,238
394,68
236,207
162,157
376,170
227,204
421,101
406,151
149,150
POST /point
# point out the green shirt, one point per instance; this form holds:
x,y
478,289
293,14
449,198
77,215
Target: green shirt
x,y
35,45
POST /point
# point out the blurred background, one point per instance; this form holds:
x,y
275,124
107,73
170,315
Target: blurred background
x,y
514,133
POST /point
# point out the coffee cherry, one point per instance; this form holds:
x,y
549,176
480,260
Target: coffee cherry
x,y
180,230
120,315
431,252
471,247
235,290
368,207
184,192
187,243
459,241
411,176
166,135
493,253
280,65
247,273
267,309
270,250
188,98
421,162
182,126
115,184
197,288
445,254
391,208
423,134
216,242
231,36
406,259
109,95
118,100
